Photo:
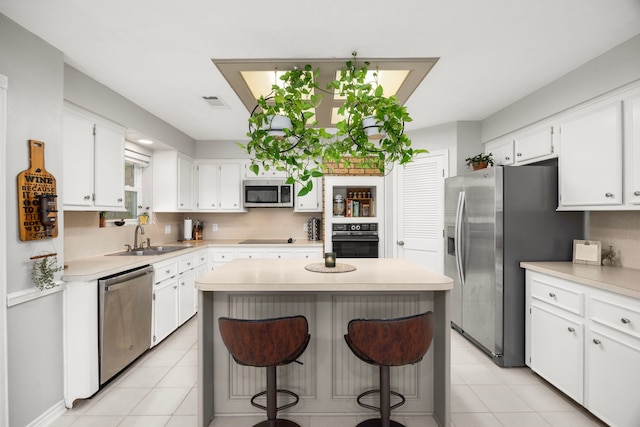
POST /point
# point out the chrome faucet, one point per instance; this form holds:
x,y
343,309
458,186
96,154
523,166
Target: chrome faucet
x,y
135,236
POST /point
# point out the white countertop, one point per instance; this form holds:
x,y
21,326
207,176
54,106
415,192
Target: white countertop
x,y
371,274
93,268
620,280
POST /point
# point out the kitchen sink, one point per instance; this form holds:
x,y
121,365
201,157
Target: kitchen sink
x,y
153,250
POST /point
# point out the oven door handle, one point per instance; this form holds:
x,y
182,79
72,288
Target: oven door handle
x,y
355,239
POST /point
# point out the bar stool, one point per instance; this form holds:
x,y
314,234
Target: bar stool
x,y
267,343
385,343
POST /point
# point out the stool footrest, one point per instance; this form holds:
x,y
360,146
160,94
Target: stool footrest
x,y
279,408
377,408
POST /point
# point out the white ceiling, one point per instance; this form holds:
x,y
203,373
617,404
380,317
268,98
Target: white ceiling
x,y
157,53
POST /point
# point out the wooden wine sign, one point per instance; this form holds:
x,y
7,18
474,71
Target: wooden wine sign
x,y
37,216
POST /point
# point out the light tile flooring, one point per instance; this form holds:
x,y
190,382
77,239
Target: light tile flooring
x,y
159,390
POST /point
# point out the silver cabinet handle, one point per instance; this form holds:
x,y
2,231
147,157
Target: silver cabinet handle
x,y
401,243
608,195
87,197
625,320
636,193
519,154
552,295
167,271
119,199
175,287
570,329
597,341
507,158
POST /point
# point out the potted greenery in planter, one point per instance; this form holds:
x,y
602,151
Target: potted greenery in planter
x,y
300,149
44,269
373,124
295,146
480,161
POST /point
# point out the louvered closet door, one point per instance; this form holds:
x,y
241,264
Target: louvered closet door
x,y
421,211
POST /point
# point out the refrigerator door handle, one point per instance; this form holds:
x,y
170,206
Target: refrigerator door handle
x,y
458,237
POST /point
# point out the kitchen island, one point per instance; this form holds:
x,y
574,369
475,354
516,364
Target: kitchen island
x,y
258,288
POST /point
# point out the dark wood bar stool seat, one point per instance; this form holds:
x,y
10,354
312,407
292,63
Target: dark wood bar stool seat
x,y
385,343
267,343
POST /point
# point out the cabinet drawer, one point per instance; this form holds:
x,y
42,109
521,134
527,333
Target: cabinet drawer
x,y
187,263
201,258
621,315
222,256
571,300
250,254
279,255
165,270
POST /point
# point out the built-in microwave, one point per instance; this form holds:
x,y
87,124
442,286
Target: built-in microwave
x,y
267,193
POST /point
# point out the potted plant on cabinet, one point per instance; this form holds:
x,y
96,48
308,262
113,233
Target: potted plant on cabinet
x,y
480,161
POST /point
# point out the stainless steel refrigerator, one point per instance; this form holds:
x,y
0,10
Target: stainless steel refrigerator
x,y
495,218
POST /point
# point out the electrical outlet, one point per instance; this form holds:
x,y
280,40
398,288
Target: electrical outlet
x,y
214,227
167,229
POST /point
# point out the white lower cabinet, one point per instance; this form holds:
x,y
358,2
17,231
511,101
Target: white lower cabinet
x,y
220,255
174,292
591,352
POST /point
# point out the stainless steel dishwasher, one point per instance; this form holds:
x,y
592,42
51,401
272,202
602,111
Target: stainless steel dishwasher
x,y
125,319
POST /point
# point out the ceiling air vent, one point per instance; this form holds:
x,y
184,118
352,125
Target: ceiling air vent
x,y
215,102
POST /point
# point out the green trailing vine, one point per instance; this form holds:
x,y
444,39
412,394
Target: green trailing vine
x,y
44,270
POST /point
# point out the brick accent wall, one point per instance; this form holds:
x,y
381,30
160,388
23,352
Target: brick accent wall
x,y
356,168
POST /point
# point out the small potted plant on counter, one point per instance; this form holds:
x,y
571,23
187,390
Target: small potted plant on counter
x,y
480,161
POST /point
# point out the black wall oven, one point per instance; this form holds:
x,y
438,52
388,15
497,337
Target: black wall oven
x,y
355,240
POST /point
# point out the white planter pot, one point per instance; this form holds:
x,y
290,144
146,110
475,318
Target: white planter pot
x,y
276,126
372,128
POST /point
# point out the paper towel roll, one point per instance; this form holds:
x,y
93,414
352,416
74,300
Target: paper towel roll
x,y
188,229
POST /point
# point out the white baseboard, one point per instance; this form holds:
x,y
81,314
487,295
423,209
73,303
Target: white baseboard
x,y
49,416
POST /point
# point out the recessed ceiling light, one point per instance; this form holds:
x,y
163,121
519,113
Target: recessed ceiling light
x,y
145,141
251,78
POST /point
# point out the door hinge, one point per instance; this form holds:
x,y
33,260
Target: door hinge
x,y
154,338
94,130
154,296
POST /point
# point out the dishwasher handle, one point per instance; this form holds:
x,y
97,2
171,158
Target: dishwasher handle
x,y
115,282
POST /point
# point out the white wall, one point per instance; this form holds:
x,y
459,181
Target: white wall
x,y
34,328
615,68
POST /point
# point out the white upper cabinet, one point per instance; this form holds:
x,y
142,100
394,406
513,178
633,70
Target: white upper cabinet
x,y
272,173
520,148
172,182
590,160
310,202
534,144
93,154
220,185
632,150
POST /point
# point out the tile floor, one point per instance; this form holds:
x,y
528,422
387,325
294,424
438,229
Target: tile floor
x,y
159,390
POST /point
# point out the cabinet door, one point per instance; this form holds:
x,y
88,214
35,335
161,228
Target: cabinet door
x,y
557,350
109,167
590,163
632,189
230,186
185,183
208,186
534,144
186,296
612,378
78,160
312,201
502,152
165,309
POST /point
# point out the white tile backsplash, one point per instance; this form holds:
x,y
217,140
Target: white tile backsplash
x,y
620,230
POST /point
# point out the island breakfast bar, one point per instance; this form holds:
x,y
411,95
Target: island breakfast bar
x,y
289,276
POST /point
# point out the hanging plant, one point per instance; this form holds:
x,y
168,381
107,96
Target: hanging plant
x,y
44,269
296,148
301,149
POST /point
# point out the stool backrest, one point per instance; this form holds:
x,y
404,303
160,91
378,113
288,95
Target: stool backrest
x,y
265,342
391,342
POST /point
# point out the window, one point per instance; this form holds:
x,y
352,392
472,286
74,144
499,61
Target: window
x,y
132,194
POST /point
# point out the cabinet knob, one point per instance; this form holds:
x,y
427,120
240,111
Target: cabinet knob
x,y
570,329
552,295
597,341
636,193
168,271
401,243
175,287
608,195
519,154
507,158
625,320
119,199
87,197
